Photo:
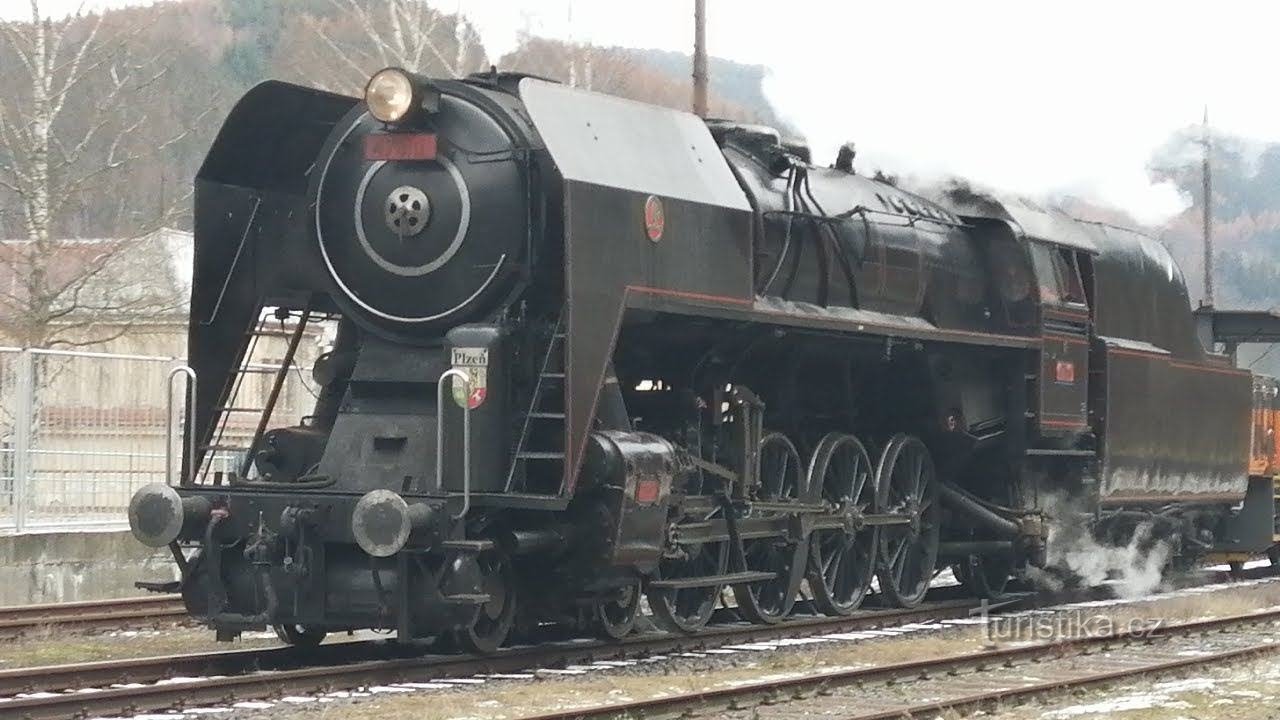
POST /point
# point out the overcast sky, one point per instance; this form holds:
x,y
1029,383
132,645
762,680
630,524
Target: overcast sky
x,y
1034,97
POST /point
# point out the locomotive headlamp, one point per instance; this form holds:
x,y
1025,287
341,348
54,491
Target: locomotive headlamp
x,y
389,95
395,95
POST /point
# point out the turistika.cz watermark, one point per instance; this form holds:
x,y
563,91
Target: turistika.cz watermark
x,y
1061,625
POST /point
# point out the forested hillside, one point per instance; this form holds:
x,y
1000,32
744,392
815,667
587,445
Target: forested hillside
x,y
142,105
1246,215
104,119
1246,223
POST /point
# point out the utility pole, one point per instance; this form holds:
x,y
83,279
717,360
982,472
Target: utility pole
x,y
700,57
1207,175
573,52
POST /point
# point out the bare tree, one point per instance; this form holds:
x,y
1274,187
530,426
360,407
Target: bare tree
x,y
67,121
363,36
590,67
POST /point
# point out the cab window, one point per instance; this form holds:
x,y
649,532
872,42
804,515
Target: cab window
x,y
1058,275
1047,273
1072,288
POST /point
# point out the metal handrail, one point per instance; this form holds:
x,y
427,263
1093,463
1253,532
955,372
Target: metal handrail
x,y
191,436
452,374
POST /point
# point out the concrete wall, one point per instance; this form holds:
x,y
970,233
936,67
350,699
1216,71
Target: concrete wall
x,y
69,566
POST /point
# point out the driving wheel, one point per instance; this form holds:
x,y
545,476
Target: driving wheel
x,y
781,478
907,487
688,609
842,560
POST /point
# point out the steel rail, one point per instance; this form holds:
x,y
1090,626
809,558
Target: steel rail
x,y
353,663
20,620
298,672
768,692
995,696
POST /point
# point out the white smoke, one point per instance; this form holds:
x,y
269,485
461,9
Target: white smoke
x,y
1136,568
1052,122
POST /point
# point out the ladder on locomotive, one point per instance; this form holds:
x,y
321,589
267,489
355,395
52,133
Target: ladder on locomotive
x,y
537,463
236,383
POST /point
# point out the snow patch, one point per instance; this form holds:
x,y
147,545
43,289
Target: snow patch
x,y
1131,702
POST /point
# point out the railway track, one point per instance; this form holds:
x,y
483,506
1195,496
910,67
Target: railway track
x,y
145,684
142,684
970,681
23,620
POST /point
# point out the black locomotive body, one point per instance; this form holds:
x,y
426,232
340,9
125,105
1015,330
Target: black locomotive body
x,y
589,349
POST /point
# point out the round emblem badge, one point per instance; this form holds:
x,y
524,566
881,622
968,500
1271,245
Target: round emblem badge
x,y
655,219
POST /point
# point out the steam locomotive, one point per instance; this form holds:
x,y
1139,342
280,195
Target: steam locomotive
x,y
590,350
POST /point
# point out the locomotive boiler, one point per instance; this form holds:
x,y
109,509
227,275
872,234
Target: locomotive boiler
x,y
589,350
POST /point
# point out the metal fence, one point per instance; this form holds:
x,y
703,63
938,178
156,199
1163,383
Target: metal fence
x,y
81,431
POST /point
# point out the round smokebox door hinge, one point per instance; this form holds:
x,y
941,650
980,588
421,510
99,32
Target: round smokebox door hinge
x,y
407,210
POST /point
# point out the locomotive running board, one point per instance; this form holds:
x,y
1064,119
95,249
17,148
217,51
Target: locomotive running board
x,y
1056,452
467,546
166,588
737,578
466,599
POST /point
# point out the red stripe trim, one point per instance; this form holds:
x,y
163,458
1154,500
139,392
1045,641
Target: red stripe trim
x,y
1024,340
1064,423
1174,363
1182,497
1207,368
874,329
1137,353
689,295
1066,339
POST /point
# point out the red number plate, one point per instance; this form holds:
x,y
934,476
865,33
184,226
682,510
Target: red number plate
x,y
400,146
1065,372
648,491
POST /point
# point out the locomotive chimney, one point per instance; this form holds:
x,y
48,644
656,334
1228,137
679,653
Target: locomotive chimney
x,y
844,158
700,58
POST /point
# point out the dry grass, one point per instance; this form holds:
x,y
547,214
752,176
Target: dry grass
x,y
54,646
1219,603
521,698
501,700
498,700
1243,691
